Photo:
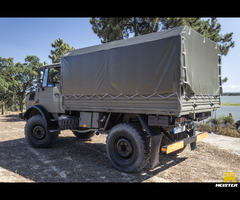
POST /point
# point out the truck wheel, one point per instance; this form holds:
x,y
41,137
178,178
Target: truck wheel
x,y
128,147
37,133
86,135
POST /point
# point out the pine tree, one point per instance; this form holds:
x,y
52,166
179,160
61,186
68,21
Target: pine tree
x,y
110,29
60,48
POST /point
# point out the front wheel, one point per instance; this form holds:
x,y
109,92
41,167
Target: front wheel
x,y
37,133
128,147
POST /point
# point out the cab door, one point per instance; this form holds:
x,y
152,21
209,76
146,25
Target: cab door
x,y
49,95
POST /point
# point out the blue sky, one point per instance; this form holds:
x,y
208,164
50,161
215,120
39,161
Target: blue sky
x,y
33,36
20,37
231,62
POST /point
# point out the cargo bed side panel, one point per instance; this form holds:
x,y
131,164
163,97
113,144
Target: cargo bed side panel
x,y
163,105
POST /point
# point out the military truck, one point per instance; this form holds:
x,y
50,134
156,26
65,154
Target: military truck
x,y
145,92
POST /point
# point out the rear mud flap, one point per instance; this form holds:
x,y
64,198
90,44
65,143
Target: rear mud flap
x,y
156,140
155,149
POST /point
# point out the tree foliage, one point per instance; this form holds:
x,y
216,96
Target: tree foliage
x,y
16,80
7,81
60,48
26,74
110,29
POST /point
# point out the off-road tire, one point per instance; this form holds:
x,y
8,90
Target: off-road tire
x,y
128,147
37,134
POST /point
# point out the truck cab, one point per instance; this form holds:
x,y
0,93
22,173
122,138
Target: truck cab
x,y
47,92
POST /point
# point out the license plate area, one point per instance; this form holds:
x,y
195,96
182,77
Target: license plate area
x,y
179,129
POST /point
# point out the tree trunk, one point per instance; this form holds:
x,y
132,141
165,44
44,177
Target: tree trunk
x,y
12,107
135,26
21,103
3,108
21,107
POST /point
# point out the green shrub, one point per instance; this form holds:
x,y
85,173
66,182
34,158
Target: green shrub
x,y
222,125
214,121
226,120
205,127
229,132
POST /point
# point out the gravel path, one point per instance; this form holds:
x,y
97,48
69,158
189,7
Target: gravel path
x,y
74,160
224,142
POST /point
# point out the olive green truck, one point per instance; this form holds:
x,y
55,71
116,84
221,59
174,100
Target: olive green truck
x,y
145,92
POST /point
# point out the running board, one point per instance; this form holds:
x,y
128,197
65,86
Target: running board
x,y
54,130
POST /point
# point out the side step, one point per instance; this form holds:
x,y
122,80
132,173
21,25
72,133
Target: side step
x,y
180,144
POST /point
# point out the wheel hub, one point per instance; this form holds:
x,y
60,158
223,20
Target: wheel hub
x,y
124,148
39,132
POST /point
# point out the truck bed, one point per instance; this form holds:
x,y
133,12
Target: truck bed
x,y
172,72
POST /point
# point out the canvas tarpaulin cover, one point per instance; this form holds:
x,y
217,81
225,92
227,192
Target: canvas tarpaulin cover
x,y
156,63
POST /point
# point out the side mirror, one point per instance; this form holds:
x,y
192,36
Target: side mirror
x,y
39,83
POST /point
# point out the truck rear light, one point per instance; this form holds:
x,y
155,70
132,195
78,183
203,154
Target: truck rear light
x,y
182,119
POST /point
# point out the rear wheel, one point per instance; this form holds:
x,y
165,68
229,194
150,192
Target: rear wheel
x,y
128,147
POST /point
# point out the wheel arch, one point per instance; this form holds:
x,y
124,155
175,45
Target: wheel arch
x,y
36,110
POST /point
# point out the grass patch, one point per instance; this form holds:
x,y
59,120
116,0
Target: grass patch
x,y
230,104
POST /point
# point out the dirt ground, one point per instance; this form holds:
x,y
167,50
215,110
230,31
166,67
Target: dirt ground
x,y
75,160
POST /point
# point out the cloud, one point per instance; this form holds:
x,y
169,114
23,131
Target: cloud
x,y
231,88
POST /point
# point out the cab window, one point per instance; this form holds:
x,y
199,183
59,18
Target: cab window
x,y
51,77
